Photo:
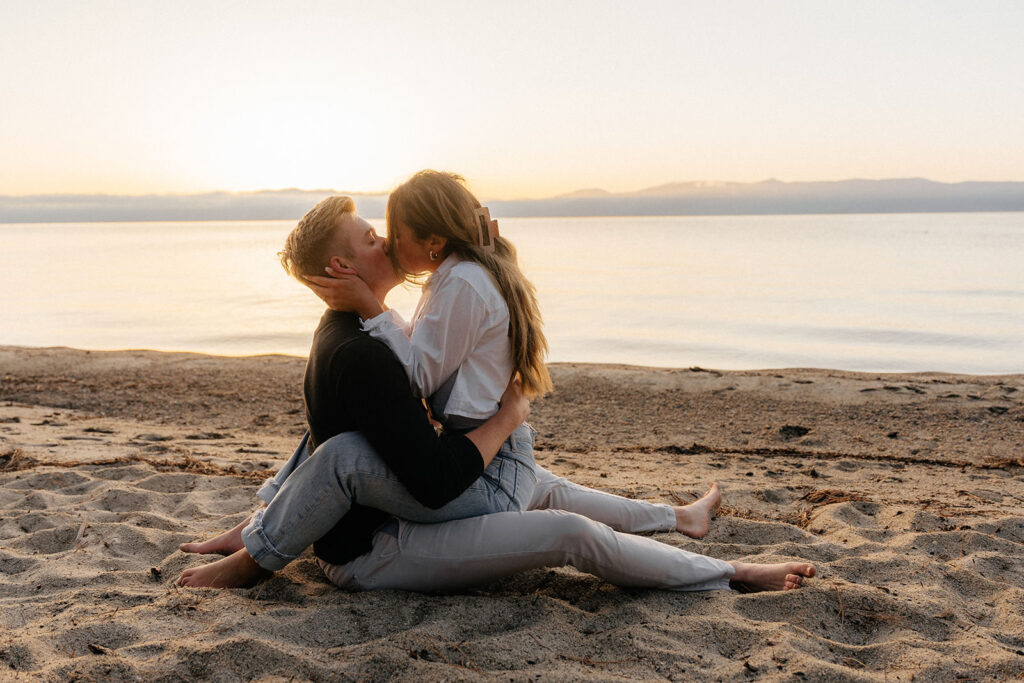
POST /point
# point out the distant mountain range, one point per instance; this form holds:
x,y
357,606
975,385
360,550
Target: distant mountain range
x,y
903,195
909,195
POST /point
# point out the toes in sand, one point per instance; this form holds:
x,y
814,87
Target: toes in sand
x,y
770,577
234,571
225,544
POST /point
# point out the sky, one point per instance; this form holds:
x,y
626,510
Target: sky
x,y
525,99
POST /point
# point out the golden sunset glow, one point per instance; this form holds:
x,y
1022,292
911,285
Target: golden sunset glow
x,y
528,100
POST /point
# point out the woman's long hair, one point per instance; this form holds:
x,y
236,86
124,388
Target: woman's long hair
x,y
436,203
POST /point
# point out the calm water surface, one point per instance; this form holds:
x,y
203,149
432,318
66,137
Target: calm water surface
x,y
860,292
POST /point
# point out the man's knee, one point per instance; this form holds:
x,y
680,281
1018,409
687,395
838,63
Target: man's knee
x,y
574,531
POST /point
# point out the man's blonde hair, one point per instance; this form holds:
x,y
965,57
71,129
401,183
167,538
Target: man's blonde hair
x,y
306,250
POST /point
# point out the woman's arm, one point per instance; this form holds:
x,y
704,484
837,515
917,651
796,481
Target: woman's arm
x,y
450,326
452,322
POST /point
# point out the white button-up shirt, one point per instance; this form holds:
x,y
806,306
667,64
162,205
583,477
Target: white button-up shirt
x,y
457,349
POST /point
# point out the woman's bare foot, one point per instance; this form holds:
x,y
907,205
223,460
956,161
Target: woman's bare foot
x,y
234,571
750,578
694,519
225,544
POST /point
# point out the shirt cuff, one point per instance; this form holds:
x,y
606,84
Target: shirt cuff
x,y
382,318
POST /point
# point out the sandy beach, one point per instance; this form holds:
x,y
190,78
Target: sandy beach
x,y
905,491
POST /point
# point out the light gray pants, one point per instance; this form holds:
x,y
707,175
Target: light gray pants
x,y
622,514
567,524
314,490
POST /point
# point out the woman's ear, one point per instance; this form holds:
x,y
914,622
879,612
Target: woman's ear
x,y
437,243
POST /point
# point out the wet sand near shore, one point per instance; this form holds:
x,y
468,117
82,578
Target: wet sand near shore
x,y
906,491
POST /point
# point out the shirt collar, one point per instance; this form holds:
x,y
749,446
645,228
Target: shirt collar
x,y
438,275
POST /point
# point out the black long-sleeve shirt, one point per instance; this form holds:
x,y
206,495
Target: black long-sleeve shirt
x,y
354,383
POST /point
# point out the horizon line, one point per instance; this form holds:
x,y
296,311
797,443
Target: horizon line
x,y
561,195
865,212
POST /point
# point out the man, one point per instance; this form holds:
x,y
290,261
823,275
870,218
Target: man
x,y
354,383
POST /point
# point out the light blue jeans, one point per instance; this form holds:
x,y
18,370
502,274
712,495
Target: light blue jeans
x,y
312,492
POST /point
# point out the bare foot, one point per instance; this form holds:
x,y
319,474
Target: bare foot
x,y
695,519
225,544
234,571
750,578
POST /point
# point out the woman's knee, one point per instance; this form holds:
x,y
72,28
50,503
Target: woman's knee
x,y
344,441
347,451
345,444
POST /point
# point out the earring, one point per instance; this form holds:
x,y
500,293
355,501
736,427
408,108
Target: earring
x,y
433,255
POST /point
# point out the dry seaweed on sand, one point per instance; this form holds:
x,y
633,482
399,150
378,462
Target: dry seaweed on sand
x,y
15,460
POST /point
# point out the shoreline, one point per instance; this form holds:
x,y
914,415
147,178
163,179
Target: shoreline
x,y
906,490
854,412
573,363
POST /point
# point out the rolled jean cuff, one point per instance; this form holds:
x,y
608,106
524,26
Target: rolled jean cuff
x,y
260,548
269,489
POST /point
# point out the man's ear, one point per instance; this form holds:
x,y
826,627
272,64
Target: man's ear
x,y
340,266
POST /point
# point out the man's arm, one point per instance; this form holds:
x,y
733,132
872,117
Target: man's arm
x,y
513,409
435,469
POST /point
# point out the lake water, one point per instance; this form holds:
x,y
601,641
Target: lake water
x,y
908,292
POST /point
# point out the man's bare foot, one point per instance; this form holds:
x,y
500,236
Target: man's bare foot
x,y
694,519
225,544
234,571
750,578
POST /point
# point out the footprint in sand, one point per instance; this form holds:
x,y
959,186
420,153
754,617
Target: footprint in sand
x,y
119,500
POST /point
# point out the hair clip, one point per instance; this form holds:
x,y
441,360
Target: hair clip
x,y
487,230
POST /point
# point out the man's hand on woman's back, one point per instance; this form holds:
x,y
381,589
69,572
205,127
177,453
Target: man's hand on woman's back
x,y
514,401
